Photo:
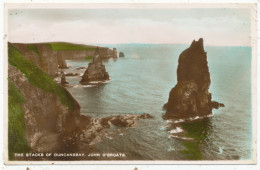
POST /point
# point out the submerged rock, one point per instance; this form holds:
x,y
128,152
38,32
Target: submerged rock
x,y
191,96
80,68
96,129
96,71
71,74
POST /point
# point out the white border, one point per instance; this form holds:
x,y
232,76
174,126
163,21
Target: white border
x,y
156,5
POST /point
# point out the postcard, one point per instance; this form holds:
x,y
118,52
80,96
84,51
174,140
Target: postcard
x,y
132,83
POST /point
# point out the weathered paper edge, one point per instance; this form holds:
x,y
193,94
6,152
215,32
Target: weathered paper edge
x,y
253,8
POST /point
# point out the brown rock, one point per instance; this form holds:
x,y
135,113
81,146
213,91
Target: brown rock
x,y
96,71
121,54
191,96
63,79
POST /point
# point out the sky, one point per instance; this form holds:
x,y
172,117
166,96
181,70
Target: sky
x,y
217,26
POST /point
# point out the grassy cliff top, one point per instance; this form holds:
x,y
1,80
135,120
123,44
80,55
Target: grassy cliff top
x,y
63,46
59,46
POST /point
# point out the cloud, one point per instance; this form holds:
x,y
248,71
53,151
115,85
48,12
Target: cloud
x,y
216,26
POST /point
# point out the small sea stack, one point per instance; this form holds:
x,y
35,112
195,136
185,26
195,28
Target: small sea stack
x,y
121,54
95,71
191,97
63,79
114,53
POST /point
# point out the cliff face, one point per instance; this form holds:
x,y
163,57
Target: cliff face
x,y
96,71
50,112
191,96
71,51
43,117
105,54
51,56
42,55
61,61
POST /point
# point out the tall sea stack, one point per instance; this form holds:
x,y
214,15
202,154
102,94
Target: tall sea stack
x,y
191,96
96,71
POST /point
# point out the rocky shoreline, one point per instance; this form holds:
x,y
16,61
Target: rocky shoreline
x,y
52,116
54,122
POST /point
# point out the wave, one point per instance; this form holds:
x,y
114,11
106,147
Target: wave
x,y
79,85
180,137
176,130
188,119
163,127
220,150
171,149
100,82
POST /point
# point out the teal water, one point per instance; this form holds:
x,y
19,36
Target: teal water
x,y
141,82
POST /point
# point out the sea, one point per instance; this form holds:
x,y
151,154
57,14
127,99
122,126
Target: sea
x,y
141,82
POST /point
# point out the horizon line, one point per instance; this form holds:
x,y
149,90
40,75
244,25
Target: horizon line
x,y
97,44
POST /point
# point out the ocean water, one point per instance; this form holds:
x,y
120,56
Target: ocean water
x,y
141,82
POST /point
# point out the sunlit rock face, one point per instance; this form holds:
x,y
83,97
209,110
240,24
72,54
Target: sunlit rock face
x,y
191,97
96,71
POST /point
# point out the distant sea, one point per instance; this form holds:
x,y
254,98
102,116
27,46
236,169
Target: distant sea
x,y
141,82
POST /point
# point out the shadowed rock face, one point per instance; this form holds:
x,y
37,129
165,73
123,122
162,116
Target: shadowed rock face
x,y
191,96
63,79
61,62
47,120
96,71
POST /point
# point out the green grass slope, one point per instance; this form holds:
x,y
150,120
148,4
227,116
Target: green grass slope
x,y
89,58
17,142
39,78
33,48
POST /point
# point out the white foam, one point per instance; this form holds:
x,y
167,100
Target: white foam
x,y
178,121
180,137
171,149
220,150
210,115
75,86
197,117
177,130
88,86
107,81
98,82
163,127
168,121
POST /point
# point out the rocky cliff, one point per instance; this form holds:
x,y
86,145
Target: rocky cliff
x,y
95,71
43,117
191,96
42,55
71,51
51,56
50,112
